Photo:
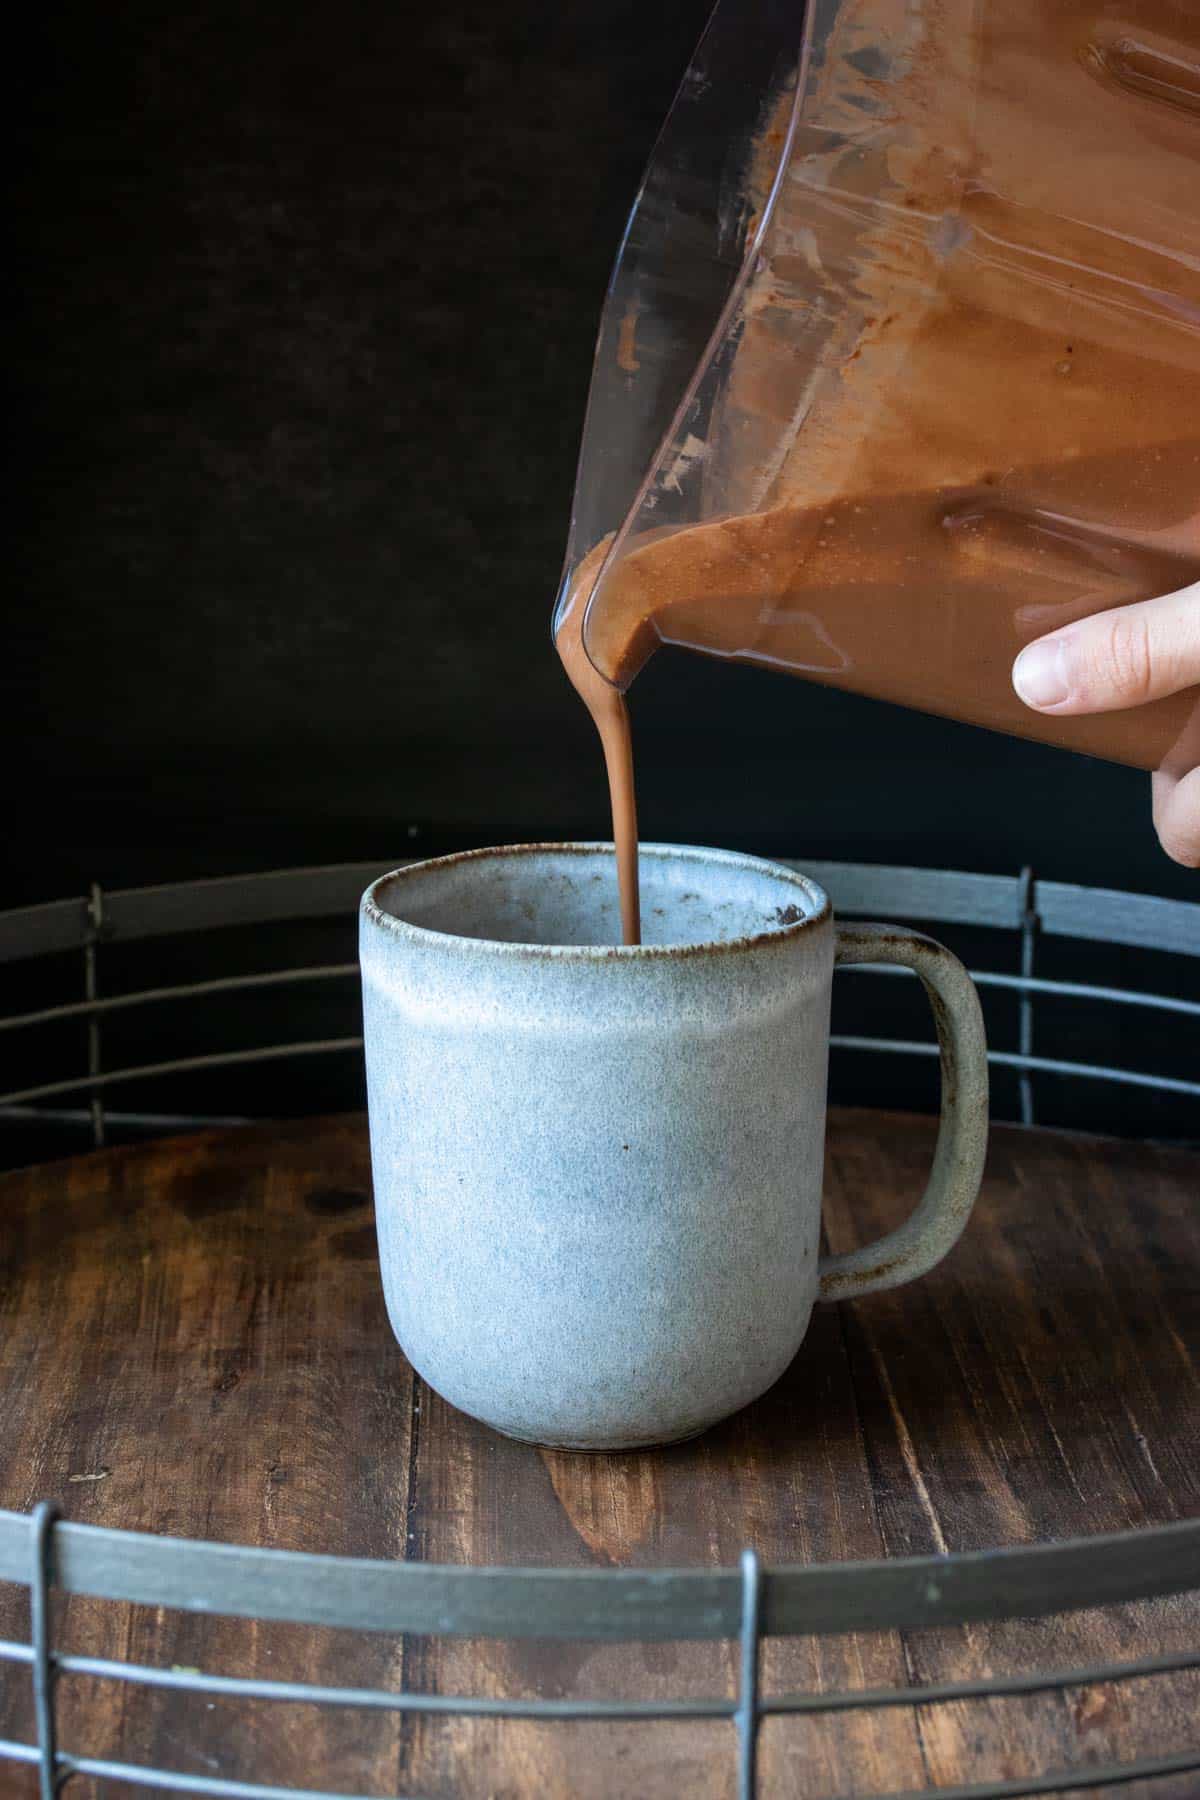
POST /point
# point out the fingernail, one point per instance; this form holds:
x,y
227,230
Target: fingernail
x,y
1040,674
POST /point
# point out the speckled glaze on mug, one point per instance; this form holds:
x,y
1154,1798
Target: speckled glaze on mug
x,y
598,1168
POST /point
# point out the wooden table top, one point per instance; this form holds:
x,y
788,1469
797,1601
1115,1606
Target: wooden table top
x,y
193,1341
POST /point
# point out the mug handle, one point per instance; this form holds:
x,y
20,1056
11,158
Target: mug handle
x,y
944,1208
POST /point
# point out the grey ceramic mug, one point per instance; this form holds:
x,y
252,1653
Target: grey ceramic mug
x,y
598,1169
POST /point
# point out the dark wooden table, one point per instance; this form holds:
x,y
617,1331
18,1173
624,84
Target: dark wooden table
x,y
193,1341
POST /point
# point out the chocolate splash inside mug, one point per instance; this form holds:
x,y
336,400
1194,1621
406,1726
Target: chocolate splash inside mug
x,y
598,1167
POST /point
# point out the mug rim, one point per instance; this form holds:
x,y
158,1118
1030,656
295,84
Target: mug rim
x,y
821,914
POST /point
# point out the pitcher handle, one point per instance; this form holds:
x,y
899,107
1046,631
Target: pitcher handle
x,y
937,1221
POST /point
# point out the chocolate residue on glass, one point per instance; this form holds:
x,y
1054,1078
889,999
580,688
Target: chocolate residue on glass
x,y
960,408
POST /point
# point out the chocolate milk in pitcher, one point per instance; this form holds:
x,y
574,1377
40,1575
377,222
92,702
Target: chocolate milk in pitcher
x,y
948,399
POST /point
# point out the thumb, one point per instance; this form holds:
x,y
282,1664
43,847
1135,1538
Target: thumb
x,y
1118,658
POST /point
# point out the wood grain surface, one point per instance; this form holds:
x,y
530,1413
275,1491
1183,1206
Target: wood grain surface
x,y
193,1341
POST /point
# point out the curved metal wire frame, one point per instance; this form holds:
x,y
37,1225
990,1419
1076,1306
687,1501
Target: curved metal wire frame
x,y
591,1605
1019,903
600,1605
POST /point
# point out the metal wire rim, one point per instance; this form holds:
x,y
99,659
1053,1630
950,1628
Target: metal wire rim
x,y
1033,908
596,1605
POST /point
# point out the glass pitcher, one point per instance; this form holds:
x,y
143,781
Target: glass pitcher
x,y
898,367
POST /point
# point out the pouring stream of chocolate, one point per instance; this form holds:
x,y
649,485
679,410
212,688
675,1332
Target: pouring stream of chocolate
x,y
610,715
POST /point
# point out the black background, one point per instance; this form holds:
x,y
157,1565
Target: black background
x,y
305,305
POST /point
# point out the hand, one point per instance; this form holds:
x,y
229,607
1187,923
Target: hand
x,y
1122,658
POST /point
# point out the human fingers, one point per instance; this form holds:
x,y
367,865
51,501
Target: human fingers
x,y
1177,815
1114,659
